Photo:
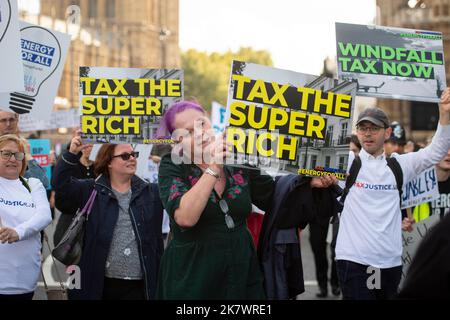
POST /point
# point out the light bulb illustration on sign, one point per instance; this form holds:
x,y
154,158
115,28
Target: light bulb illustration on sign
x,y
5,17
41,56
42,53
11,66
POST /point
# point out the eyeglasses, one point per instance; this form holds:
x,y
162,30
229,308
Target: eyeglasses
x,y
6,155
228,219
368,129
126,156
6,120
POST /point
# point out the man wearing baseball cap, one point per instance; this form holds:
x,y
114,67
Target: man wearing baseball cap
x,y
369,242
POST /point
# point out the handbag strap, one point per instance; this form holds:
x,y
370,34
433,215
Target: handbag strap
x,y
54,263
43,278
88,206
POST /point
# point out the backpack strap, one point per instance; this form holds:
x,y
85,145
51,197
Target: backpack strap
x,y
351,178
349,182
398,174
25,183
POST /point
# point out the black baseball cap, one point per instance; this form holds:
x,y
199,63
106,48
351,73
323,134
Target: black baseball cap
x,y
374,115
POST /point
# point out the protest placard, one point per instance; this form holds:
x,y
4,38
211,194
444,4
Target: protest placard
x,y
95,148
391,62
142,161
289,121
411,241
58,119
218,113
423,188
11,66
150,172
124,105
40,151
441,204
43,55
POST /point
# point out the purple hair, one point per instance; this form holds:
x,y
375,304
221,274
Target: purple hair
x,y
167,121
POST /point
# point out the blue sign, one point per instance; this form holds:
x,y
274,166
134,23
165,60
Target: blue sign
x,y
40,151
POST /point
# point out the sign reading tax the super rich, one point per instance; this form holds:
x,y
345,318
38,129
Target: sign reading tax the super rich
x,y
298,122
125,104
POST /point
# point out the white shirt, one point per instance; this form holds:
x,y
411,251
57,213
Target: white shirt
x,y
27,213
370,224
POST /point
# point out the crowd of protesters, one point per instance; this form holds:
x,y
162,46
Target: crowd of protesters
x,y
211,253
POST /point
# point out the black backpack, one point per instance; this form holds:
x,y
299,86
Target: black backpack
x,y
353,174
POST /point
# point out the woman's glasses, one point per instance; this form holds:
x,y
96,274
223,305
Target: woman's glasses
x,y
6,155
228,219
126,156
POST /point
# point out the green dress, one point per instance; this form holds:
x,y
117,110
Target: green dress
x,y
208,260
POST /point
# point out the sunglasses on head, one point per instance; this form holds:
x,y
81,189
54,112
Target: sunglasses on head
x,y
126,156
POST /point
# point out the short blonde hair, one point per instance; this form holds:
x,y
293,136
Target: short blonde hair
x,y
13,138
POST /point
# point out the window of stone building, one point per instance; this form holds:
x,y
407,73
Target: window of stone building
x,y
424,115
329,136
344,127
110,8
327,161
60,12
111,37
313,161
445,11
342,164
93,9
436,11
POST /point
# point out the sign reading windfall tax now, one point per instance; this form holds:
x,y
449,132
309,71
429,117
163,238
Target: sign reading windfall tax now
x,y
124,105
391,62
289,121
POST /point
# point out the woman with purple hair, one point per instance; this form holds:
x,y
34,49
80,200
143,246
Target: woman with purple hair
x,y
211,255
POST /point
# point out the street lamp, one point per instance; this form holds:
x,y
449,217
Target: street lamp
x,y
164,33
412,3
416,3
73,26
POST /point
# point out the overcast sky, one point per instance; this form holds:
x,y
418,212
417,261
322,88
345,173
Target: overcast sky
x,y
298,33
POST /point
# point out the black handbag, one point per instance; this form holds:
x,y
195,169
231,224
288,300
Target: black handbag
x,y
68,251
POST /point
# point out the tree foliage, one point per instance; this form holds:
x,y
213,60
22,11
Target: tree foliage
x,y
207,75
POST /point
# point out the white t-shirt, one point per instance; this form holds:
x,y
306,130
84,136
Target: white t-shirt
x,y
27,213
370,225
